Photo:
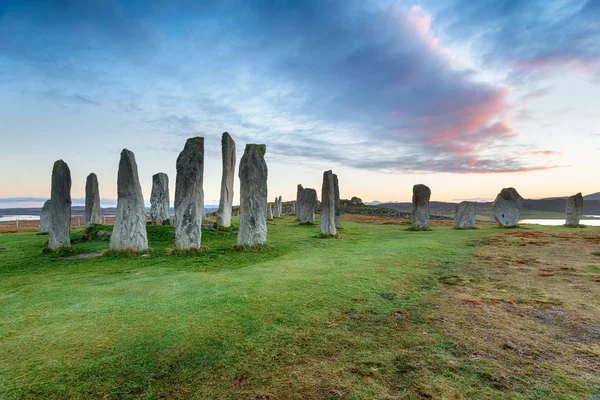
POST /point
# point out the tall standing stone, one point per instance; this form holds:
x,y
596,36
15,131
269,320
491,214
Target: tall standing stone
x,y
253,175
328,204
276,212
159,199
280,207
93,212
293,208
129,232
45,218
269,212
507,207
338,214
420,200
226,201
59,234
189,195
574,209
464,214
307,203
298,191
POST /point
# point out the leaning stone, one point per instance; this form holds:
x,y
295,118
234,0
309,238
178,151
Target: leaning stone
x,y
159,199
269,212
226,201
336,189
253,174
59,234
129,232
306,206
189,195
464,214
507,207
574,209
45,217
420,200
328,205
93,212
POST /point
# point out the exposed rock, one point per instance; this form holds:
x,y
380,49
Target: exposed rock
x,y
226,201
507,207
269,212
355,201
253,175
298,191
280,207
338,213
129,232
93,212
102,234
189,195
159,199
45,218
420,200
464,214
574,209
306,206
276,208
328,204
59,234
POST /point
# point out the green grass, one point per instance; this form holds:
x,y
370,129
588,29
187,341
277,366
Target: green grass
x,y
304,318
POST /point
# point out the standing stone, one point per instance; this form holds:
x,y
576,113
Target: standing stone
x,y
93,212
270,213
253,196
298,191
293,208
574,209
356,201
226,201
45,217
129,232
59,234
159,199
336,191
189,195
328,204
507,207
464,214
280,206
307,203
276,212
420,200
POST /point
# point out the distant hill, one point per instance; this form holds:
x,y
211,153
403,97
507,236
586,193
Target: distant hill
x,y
373,203
593,196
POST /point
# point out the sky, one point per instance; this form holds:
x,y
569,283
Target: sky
x,y
464,96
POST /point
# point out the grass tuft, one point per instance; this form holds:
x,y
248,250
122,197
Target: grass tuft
x,y
260,247
130,252
306,224
464,228
191,251
574,226
415,229
326,236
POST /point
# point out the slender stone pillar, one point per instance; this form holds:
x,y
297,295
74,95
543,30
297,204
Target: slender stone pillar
x,y
93,212
421,195
276,213
328,204
253,175
574,209
226,201
45,218
189,195
59,234
338,213
270,213
307,203
159,199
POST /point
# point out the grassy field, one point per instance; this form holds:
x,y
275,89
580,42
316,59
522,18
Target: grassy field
x,y
381,313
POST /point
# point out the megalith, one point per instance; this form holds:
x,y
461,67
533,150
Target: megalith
x,y
574,209
420,200
45,218
280,206
59,234
226,200
464,214
298,191
269,212
328,204
507,207
189,195
276,209
338,213
307,203
93,212
159,199
129,232
253,175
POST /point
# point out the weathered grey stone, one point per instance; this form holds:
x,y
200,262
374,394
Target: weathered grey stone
x,y
420,200
226,201
189,195
59,234
356,201
45,218
306,206
269,212
253,175
464,214
129,232
159,199
93,212
328,204
507,207
338,213
280,207
276,208
574,209
293,208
